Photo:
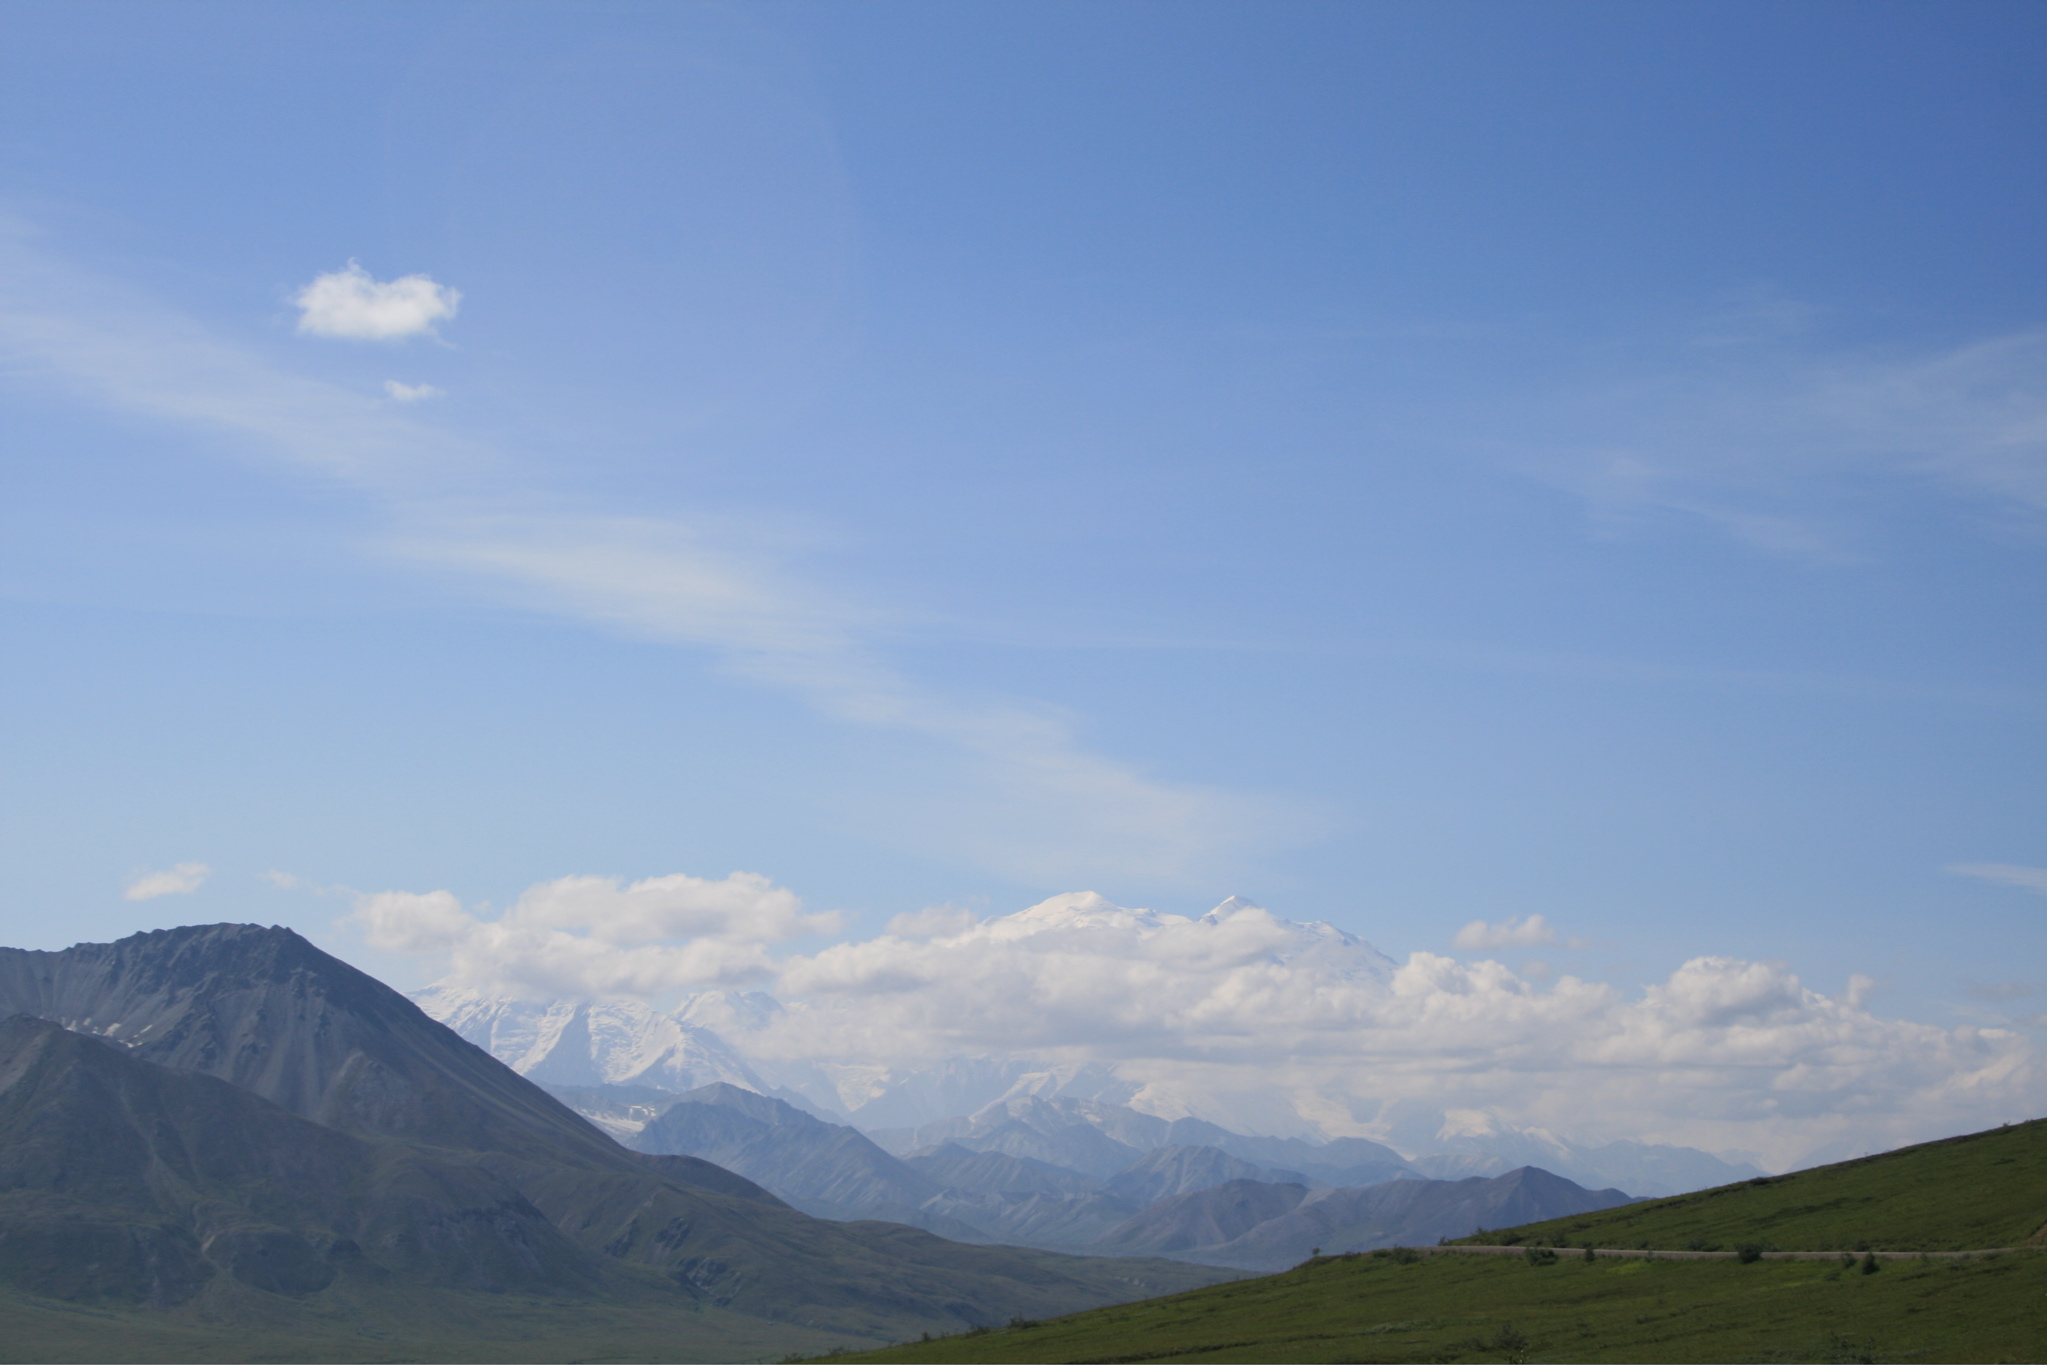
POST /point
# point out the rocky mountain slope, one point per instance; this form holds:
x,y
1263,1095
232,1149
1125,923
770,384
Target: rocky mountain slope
x,y
127,1181
826,1169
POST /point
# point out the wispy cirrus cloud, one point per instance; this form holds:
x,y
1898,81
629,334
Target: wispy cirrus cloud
x,y
1798,451
2005,874
1037,803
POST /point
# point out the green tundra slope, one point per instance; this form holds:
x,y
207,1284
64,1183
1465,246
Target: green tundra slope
x,y
1985,1190
1452,1307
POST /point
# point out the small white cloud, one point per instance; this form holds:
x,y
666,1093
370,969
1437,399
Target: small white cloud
x,y
348,303
412,393
283,881
1478,936
181,880
2005,874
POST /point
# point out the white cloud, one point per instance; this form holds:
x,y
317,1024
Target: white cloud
x,y
1509,933
348,303
2005,874
1265,1024
595,936
412,393
283,881
181,880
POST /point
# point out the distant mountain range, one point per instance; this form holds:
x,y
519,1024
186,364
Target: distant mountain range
x,y
1260,1226
1101,1123
192,1117
614,1061
1046,1173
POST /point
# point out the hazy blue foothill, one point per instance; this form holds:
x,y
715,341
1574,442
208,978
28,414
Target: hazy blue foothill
x,y
1199,1203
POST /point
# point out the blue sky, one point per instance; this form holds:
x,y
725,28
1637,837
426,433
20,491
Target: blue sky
x,y
1402,463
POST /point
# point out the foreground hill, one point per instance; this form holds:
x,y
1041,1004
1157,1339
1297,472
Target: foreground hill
x,y
1985,1189
1681,1301
228,1119
1452,1307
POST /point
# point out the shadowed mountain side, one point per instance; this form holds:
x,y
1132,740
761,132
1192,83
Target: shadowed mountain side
x,y
127,1181
832,1171
1344,1163
1643,1168
1203,1218
966,1172
1168,1171
1077,1147
1407,1213
1103,1140
825,1169
1072,1222
1067,1133
1258,1226
269,1012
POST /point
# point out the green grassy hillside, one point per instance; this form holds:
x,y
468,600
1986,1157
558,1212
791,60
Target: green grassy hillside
x,y
1449,1308
1986,1189
1980,1191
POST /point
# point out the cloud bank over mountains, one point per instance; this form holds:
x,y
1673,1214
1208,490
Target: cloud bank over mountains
x,y
1239,1017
